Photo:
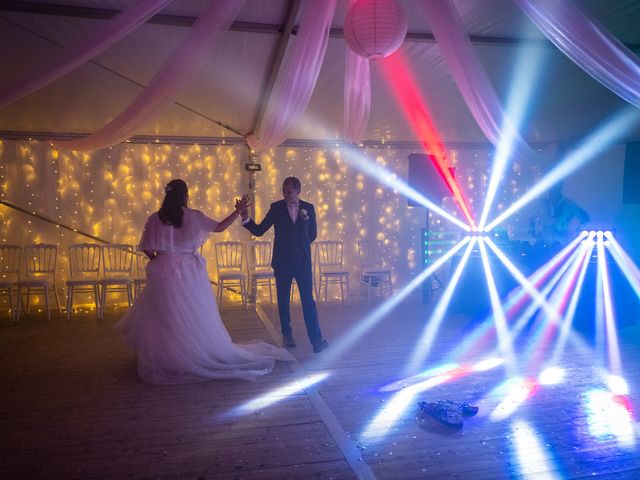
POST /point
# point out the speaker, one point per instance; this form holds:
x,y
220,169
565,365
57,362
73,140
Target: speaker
x,y
425,179
631,179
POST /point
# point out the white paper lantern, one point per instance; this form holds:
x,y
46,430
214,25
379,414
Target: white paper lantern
x,y
375,29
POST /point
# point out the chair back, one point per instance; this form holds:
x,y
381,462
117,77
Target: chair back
x,y
369,252
10,256
117,259
329,254
259,255
40,260
84,261
229,256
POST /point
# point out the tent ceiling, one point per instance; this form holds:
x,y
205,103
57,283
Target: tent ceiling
x,y
565,103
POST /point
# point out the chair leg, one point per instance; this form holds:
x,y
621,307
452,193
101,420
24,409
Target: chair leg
x,y
69,301
18,307
96,296
103,300
28,300
55,293
130,295
245,300
347,282
46,302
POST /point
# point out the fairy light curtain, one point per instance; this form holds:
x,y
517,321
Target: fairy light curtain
x,y
471,78
174,75
114,30
588,44
297,77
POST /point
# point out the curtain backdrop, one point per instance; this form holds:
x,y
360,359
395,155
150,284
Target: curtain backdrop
x,y
471,78
589,44
174,75
357,96
115,29
297,77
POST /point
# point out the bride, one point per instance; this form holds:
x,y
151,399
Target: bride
x,y
174,325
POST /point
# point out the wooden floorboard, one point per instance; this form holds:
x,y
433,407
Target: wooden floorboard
x,y
73,407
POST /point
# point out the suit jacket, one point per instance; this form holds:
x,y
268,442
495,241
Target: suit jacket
x,y
289,237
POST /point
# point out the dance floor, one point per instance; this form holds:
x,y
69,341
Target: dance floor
x,y
72,406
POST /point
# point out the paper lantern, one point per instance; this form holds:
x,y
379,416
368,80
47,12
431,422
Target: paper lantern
x,y
375,29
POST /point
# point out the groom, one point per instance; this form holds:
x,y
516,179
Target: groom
x,y
295,228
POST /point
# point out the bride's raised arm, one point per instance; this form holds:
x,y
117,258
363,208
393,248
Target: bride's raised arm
x,y
240,206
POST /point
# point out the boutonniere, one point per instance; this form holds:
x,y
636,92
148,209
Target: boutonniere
x,y
304,215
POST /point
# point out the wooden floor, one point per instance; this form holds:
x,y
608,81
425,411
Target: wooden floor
x,y
73,407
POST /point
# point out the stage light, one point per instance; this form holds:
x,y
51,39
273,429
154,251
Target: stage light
x,y
608,234
584,233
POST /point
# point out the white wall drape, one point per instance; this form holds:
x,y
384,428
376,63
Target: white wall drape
x,y
471,78
589,44
115,29
174,75
297,77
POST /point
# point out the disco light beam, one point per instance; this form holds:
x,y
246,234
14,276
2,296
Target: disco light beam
x,y
423,346
279,394
532,459
527,70
363,326
623,260
390,179
518,391
613,348
567,322
504,338
475,339
592,146
398,76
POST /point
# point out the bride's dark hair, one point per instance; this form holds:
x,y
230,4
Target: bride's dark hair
x,y
175,197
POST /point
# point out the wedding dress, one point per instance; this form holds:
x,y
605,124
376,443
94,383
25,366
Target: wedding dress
x,y
174,325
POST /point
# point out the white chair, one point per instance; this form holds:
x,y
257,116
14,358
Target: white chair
x,y
84,273
117,262
10,256
329,260
40,266
140,281
259,267
373,275
229,263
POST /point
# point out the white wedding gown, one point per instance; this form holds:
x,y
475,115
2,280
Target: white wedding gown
x,y
174,325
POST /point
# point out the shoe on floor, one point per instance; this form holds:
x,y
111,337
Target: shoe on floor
x,y
320,345
440,412
288,341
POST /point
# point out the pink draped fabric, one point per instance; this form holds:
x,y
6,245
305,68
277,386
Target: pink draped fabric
x,y
470,77
357,97
115,29
176,73
297,76
589,44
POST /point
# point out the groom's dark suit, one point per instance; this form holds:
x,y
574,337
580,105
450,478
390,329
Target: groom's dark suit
x,y
292,259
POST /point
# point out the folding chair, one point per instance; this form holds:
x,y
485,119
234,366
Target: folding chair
x,y
84,270
259,267
373,275
229,263
329,258
117,262
40,266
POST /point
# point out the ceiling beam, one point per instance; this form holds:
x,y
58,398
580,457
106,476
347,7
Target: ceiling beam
x,y
239,26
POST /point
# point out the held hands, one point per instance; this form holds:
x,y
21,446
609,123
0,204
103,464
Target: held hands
x,y
242,206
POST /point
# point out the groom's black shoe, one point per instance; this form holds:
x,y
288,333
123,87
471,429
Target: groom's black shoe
x,y
288,341
320,345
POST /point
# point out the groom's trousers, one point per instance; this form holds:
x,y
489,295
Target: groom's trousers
x,y
301,271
